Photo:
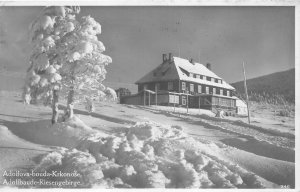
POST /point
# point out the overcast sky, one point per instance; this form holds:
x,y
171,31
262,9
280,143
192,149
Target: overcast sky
x,y
136,38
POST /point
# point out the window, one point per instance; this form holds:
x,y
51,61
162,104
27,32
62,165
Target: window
x,y
201,77
232,103
192,87
221,91
207,90
221,101
216,80
183,100
228,102
171,98
228,93
195,76
208,78
183,86
157,86
170,85
176,99
213,101
199,89
214,90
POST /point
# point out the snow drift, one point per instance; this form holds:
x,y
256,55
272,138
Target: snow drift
x,y
148,155
8,139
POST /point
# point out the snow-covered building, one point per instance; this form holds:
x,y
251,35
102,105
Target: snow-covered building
x,y
241,107
121,92
185,83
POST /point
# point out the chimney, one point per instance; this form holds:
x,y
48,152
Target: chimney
x,y
170,57
164,57
192,61
208,66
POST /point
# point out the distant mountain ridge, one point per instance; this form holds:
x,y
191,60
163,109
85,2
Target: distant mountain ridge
x,y
282,83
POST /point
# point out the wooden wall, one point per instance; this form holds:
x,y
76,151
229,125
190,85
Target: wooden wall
x,y
177,87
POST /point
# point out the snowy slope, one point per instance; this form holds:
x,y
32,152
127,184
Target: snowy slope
x,y
11,81
141,147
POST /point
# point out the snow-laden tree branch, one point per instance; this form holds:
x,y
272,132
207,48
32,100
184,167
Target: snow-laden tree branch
x,y
66,60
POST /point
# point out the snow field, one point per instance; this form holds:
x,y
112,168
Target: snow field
x,y
271,136
277,139
148,155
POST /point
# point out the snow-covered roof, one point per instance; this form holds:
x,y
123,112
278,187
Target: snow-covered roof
x,y
195,68
174,70
199,69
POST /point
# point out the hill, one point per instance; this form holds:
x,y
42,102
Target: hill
x,y
280,84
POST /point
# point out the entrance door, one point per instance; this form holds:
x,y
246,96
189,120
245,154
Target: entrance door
x,y
191,101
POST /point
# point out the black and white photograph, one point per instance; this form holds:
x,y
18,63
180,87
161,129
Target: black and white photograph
x,y
155,94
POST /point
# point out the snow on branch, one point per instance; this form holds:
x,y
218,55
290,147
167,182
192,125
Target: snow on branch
x,y
66,55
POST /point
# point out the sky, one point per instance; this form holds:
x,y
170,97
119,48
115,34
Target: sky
x,y
136,37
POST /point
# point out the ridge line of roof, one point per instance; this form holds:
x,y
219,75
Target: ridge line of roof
x,y
185,64
181,77
196,65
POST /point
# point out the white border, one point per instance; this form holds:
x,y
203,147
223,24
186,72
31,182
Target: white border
x,y
297,107
151,2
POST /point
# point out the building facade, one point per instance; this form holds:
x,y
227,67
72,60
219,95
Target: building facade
x,y
183,83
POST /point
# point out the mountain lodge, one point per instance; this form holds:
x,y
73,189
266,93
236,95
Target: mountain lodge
x,y
183,83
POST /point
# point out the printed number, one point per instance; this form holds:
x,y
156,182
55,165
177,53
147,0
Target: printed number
x,y
285,186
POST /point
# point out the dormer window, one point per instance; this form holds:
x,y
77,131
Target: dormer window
x,y
184,71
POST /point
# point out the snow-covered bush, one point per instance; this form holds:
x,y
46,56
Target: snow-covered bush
x,y
66,60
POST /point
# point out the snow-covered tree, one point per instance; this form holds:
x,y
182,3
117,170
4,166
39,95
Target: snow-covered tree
x,y
66,59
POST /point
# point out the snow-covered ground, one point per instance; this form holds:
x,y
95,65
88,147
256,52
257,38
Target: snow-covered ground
x,y
147,146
